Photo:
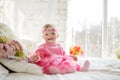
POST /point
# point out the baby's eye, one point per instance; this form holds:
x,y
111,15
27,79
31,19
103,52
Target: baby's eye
x,y
46,34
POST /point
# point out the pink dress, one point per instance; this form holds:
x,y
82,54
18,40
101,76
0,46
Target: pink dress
x,y
54,60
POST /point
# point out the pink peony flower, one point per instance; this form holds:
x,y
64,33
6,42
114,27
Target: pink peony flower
x,y
10,48
7,50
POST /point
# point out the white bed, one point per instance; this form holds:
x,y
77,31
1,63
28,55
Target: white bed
x,y
100,69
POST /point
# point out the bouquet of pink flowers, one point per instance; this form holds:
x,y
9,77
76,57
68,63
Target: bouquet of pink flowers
x,y
76,50
10,48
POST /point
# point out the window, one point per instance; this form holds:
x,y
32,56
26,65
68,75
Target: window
x,y
94,25
113,26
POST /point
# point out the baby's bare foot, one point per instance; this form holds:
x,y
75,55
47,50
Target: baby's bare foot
x,y
85,66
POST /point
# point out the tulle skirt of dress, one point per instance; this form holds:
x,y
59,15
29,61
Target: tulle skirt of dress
x,y
61,65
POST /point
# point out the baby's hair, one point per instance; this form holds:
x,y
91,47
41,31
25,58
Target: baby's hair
x,y
48,26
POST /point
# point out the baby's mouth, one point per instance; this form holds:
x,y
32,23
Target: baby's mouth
x,y
50,39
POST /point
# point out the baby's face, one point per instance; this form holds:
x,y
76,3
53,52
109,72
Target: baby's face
x,y
50,35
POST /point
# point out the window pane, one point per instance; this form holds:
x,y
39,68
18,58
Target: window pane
x,y
85,17
113,26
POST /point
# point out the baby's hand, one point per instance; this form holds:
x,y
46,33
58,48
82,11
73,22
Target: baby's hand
x,y
74,57
34,58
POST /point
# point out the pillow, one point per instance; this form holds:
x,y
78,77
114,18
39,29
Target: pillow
x,y
6,31
21,66
3,72
10,49
9,43
29,46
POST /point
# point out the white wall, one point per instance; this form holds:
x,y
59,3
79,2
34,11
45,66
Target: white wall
x,y
40,12
28,16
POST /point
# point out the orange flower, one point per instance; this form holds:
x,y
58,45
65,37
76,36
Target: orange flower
x,y
76,50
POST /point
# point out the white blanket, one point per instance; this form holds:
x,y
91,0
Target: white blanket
x,y
100,69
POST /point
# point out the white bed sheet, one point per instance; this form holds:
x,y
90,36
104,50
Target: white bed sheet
x,y
100,69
